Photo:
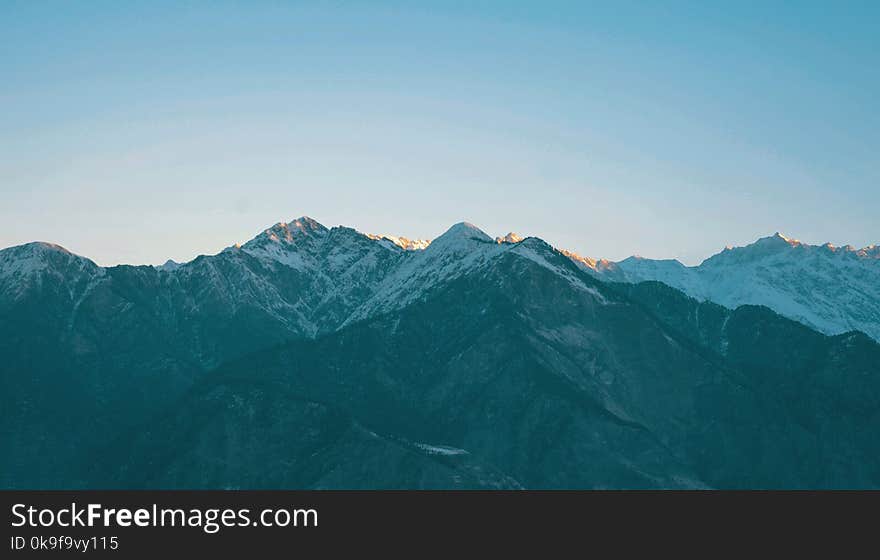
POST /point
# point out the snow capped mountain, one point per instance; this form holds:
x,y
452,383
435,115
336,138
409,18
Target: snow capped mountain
x,y
831,289
319,275
31,258
315,357
312,279
294,278
608,270
288,243
460,248
463,248
402,242
509,238
40,265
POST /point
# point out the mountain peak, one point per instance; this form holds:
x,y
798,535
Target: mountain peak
x,y
790,240
777,244
39,255
464,230
459,236
778,240
871,251
759,249
39,250
829,288
306,224
40,247
589,262
170,265
509,238
403,242
287,231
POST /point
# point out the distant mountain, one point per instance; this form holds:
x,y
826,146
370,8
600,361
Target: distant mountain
x,y
314,357
832,289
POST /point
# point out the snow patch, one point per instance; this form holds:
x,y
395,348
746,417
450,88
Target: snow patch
x,y
440,449
403,242
509,238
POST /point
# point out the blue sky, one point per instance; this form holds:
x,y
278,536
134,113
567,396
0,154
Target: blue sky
x,y
139,131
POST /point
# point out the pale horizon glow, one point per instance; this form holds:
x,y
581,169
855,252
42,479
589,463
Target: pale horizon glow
x,y
140,133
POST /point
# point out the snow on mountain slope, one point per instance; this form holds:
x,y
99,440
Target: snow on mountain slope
x,y
462,249
605,269
831,289
539,252
402,242
509,238
314,279
324,274
290,244
668,271
31,258
40,265
299,278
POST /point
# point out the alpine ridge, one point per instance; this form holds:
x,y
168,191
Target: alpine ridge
x,y
316,357
831,289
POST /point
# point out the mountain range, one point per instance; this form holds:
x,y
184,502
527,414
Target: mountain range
x,y
831,289
311,357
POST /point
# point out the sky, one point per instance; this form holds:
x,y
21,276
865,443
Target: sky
x,y
135,132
